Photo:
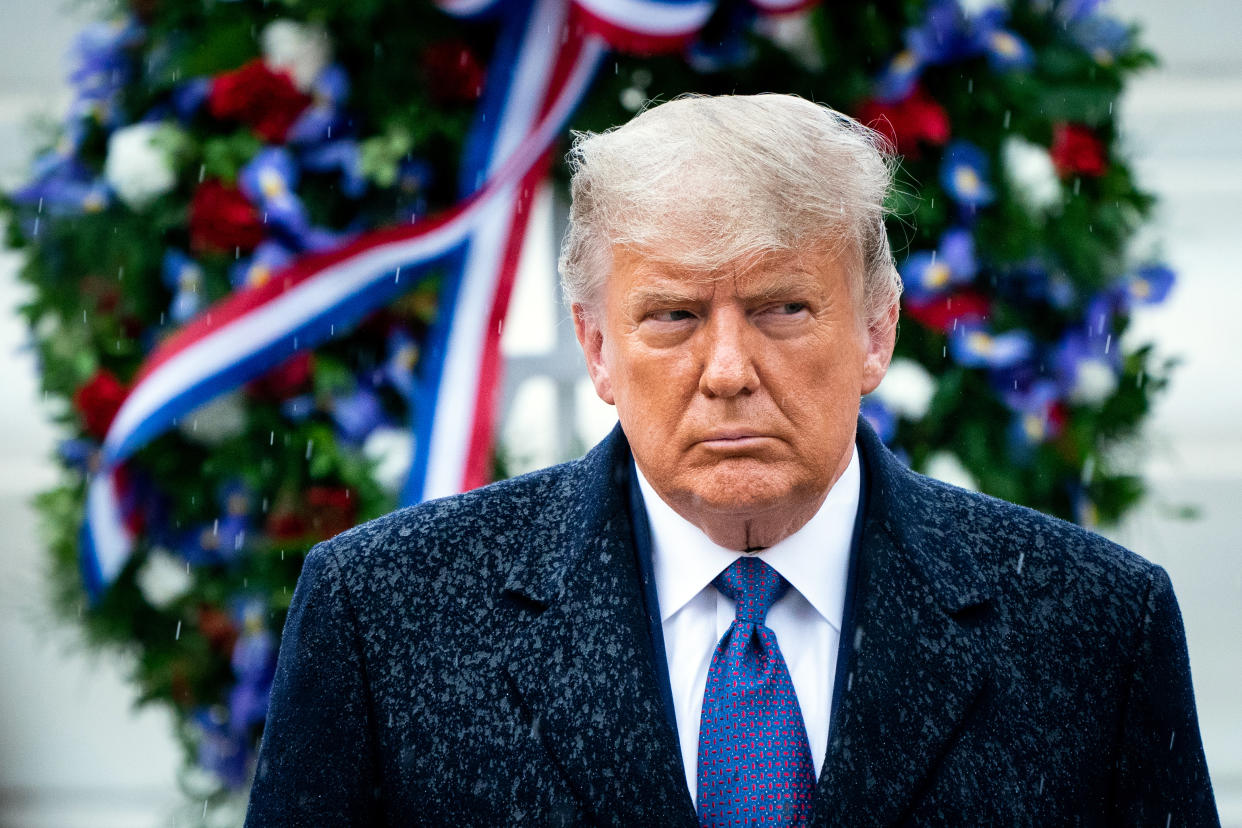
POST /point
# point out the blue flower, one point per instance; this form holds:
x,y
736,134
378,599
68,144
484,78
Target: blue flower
x,y
1087,364
1102,37
269,181
357,414
973,346
899,77
184,277
189,96
254,666
879,418
402,359
943,36
338,156
61,185
964,175
268,258
1005,51
927,275
1149,285
224,753
1037,417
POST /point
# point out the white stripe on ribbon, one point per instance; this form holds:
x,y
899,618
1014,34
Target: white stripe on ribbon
x,y
651,17
458,394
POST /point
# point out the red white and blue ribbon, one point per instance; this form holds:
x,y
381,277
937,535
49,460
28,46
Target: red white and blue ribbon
x,y
546,57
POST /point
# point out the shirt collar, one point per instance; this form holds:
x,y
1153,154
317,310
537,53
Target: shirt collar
x,y
815,559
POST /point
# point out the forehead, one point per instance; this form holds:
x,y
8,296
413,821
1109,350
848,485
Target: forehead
x,y
640,271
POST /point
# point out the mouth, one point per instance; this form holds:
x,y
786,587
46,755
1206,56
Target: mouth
x,y
733,439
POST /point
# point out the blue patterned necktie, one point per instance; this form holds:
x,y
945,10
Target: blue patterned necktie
x,y
754,758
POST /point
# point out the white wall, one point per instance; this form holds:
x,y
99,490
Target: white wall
x,y
73,753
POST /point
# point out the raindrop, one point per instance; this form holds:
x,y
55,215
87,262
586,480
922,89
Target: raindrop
x,y
944,351
36,226
202,171
39,209
1021,558
1110,107
177,635
396,278
1041,785
1077,185
271,438
263,508
1005,122
970,86
1168,820
849,681
161,317
1172,736
215,527
309,445
1108,343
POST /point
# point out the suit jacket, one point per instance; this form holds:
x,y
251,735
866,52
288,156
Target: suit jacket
x,y
486,659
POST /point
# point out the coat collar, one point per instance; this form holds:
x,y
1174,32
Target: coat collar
x,y
583,665
918,660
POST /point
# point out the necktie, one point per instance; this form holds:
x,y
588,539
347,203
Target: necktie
x,y
754,758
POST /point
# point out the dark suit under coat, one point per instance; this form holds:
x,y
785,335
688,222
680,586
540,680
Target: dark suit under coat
x,y
486,660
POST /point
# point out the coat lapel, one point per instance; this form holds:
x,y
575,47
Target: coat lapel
x,y
917,663
583,663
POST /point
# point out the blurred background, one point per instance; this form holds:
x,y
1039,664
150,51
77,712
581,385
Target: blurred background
x,y
74,752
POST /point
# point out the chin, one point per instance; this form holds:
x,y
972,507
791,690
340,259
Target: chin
x,y
742,487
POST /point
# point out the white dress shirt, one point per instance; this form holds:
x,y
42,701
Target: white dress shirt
x,y
807,619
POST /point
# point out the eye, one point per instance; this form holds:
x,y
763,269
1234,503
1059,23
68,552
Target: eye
x,y
672,315
790,308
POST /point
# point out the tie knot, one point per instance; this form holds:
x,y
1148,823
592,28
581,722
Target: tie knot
x,y
753,586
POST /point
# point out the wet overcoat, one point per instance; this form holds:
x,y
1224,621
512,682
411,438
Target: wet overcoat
x,y
486,660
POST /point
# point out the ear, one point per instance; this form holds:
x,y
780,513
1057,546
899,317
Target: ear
x,y
591,338
881,339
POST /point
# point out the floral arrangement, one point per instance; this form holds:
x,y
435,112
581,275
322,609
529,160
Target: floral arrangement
x,y
210,145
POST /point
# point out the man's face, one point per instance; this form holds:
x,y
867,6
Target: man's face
x,y
739,393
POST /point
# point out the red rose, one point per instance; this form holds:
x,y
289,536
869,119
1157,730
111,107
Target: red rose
x,y
331,510
98,401
940,313
1076,151
219,630
915,120
267,101
285,380
221,219
452,72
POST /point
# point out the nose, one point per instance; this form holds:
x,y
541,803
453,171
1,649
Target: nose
x,y
728,361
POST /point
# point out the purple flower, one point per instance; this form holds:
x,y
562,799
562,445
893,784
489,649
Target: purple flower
x,y
254,666
184,277
974,346
269,182
964,175
927,275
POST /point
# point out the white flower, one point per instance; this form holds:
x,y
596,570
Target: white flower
x,y
392,450
163,579
1094,383
215,421
137,169
945,466
1030,169
301,49
974,8
907,389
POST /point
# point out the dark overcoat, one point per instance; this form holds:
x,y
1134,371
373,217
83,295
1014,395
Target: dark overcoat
x,y
486,659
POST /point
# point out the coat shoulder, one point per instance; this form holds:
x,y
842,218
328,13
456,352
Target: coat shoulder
x,y
470,531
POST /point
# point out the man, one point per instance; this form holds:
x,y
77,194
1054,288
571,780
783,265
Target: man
x,y
739,608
